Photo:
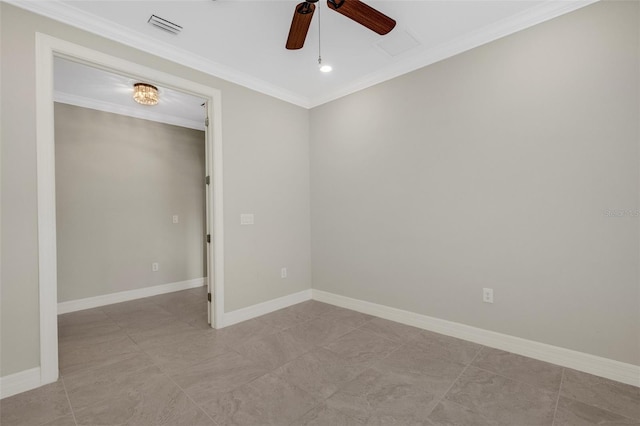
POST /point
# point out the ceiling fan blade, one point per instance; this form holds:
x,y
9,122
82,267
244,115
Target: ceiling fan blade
x,y
300,25
363,14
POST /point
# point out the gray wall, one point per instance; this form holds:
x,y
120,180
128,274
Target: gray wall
x,y
266,172
494,168
119,181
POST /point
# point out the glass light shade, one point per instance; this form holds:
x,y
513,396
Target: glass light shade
x,y
145,94
325,68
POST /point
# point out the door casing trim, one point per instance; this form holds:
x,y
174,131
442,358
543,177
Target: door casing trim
x,y
47,48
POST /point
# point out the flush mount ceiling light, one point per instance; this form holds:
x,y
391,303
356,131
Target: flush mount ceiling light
x,y
145,94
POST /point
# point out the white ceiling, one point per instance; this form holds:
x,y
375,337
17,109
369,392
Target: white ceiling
x,y
85,86
243,40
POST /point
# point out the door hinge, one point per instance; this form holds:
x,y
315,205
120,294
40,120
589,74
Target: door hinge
x,y
207,180
206,121
209,297
208,238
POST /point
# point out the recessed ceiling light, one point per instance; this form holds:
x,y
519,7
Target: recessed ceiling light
x,y
321,66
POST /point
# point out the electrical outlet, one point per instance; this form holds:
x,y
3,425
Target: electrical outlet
x,y
175,218
283,273
155,266
487,295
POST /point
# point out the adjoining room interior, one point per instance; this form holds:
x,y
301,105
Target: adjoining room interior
x,y
130,189
130,199
443,229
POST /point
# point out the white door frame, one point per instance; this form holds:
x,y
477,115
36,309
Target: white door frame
x,y
46,48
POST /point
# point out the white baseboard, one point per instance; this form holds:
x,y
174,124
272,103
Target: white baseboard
x,y
20,382
124,296
263,308
603,367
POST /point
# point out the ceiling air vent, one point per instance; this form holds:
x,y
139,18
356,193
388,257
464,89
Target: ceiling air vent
x,y
165,25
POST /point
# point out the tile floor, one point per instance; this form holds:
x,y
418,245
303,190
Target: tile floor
x,y
154,361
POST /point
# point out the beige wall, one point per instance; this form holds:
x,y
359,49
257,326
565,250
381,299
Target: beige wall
x,y
119,181
494,168
491,169
266,172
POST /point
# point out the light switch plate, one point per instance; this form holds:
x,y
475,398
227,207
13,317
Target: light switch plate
x,y
246,219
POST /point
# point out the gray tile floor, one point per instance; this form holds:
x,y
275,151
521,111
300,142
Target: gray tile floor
x,y
154,361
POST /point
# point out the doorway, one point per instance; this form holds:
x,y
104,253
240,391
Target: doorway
x,y
47,48
132,177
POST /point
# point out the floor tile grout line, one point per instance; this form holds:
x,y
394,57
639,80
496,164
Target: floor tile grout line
x,y
83,371
163,373
405,342
78,343
97,366
155,364
602,408
73,413
400,346
107,398
366,367
369,365
278,329
288,327
321,399
555,410
87,370
350,328
512,379
178,337
310,349
604,380
237,353
273,370
428,356
315,347
294,422
462,406
444,394
190,399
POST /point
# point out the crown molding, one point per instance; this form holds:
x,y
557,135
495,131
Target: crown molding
x,y
81,101
537,15
67,14
59,11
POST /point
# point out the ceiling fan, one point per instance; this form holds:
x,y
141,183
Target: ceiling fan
x,y
353,9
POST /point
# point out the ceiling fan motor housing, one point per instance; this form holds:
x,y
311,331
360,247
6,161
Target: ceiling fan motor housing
x,y
336,3
306,7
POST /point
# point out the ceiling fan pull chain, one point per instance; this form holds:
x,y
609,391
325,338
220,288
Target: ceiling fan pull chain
x,y
319,37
